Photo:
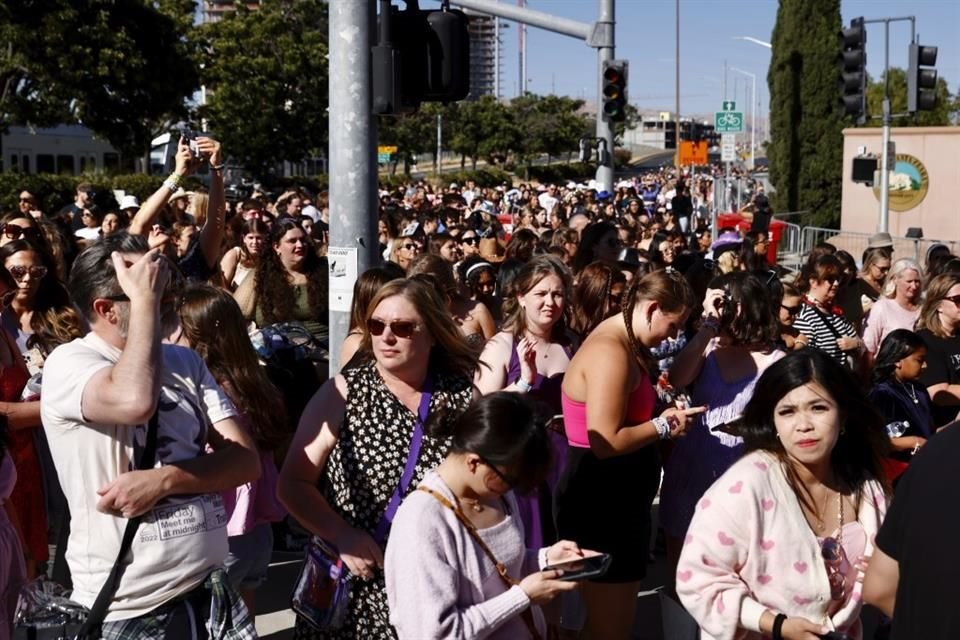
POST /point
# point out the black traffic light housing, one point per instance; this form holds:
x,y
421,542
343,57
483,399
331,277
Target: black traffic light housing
x,y
853,69
614,107
420,56
921,79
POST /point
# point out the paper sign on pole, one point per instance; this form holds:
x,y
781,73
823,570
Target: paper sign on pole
x,y
693,153
343,275
728,147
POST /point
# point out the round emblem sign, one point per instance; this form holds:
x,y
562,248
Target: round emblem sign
x,y
909,182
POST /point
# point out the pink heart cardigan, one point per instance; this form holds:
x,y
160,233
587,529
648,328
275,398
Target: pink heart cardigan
x,y
749,549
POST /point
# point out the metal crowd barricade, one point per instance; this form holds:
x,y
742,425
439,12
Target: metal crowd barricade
x,y
855,243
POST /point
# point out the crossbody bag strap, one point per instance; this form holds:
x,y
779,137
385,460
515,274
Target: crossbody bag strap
x,y
826,321
100,606
416,440
526,614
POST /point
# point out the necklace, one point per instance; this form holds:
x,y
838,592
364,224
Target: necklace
x,y
474,505
910,391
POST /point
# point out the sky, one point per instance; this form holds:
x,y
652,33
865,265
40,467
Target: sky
x,y
645,36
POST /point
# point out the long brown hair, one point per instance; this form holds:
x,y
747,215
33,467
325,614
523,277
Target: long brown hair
x,y
451,351
275,295
530,274
670,290
591,297
214,326
937,290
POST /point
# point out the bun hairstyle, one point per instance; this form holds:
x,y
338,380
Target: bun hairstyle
x,y
505,429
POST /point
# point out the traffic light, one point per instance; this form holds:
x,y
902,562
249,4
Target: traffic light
x,y
922,82
853,52
420,56
615,90
670,135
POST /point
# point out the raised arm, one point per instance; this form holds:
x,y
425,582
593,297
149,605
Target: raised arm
x,y
211,235
145,217
686,366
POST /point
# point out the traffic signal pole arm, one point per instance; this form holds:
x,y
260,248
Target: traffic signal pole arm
x,y
598,35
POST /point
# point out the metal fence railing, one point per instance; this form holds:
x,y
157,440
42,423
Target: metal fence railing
x,y
855,243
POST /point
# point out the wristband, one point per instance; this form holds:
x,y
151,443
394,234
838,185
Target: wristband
x,y
173,186
218,167
524,386
777,633
662,425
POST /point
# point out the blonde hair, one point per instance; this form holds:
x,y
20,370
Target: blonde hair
x,y
901,265
199,201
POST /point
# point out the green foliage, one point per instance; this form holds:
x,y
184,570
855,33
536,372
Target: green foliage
x,y
266,72
117,67
413,133
947,105
806,148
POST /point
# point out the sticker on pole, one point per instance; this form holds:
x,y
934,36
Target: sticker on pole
x,y
728,121
728,147
343,275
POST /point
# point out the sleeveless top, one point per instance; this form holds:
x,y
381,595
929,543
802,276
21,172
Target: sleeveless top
x,y
546,390
640,405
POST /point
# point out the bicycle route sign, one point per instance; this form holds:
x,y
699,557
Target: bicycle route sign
x,y
728,122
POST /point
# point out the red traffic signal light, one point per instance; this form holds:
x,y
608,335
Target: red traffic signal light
x,y
614,90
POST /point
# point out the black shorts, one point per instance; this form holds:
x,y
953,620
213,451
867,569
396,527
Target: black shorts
x,y
604,505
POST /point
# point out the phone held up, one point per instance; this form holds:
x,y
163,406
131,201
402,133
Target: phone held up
x,y
583,568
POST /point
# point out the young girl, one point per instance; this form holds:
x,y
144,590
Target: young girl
x,y
900,398
211,324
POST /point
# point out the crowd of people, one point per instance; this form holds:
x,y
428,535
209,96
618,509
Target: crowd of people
x,y
526,371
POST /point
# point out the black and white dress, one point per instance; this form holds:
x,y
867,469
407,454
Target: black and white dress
x,y
364,468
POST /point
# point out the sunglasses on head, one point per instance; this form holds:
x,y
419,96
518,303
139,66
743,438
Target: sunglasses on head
x,y
399,328
19,272
14,231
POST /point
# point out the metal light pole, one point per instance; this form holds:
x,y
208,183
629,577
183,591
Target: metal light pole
x,y
439,143
676,58
605,128
753,115
353,165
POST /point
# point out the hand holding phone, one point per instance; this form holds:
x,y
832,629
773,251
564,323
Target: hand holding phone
x,y
583,568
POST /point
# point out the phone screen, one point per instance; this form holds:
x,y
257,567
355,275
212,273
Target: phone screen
x,y
583,568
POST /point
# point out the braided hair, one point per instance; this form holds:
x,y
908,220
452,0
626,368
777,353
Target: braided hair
x,y
670,290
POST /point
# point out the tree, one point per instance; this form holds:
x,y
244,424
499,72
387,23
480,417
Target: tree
x,y
412,133
482,129
116,67
266,76
806,149
940,117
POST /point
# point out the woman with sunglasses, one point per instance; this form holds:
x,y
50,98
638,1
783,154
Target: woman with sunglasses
x,y
441,581
290,283
15,227
939,326
821,320
778,545
356,436
598,241
790,305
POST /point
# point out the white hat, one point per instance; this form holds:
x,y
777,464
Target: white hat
x,y
129,202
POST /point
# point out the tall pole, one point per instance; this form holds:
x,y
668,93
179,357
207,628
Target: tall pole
x,y
753,114
676,114
439,143
884,222
604,128
353,166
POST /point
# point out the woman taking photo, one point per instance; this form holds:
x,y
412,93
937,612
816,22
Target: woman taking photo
x,y
498,445
613,468
290,283
777,546
357,433
720,365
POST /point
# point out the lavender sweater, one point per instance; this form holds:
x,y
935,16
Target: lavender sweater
x,y
440,583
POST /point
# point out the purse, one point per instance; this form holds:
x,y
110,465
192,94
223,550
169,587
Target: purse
x,y
322,593
44,613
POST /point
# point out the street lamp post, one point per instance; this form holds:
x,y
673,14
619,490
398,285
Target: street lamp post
x,y
753,115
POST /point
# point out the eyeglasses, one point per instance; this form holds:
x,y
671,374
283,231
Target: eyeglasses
x,y
470,240
400,328
833,557
29,200
14,231
504,478
791,310
411,247
954,299
19,272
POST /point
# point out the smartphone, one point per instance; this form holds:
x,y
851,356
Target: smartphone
x,y
583,568
835,635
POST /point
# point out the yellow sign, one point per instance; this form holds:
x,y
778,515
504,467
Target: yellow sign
x,y
387,149
909,182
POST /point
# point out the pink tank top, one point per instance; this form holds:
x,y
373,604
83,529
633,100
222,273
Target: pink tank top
x,y
639,409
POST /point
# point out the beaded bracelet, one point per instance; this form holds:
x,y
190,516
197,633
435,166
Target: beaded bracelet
x,y
662,425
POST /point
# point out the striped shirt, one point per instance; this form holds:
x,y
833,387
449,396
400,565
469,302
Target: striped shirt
x,y
813,324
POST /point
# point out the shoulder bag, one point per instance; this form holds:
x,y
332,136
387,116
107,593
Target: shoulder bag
x,y
322,593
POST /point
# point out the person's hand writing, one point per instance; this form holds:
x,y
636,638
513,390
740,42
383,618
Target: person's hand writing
x,y
144,279
359,552
131,494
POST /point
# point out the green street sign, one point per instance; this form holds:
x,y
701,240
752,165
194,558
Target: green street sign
x,y
729,105
728,122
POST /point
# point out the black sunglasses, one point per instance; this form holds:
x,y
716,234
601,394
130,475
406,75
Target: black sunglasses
x,y
791,310
954,299
14,231
400,328
504,478
470,240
